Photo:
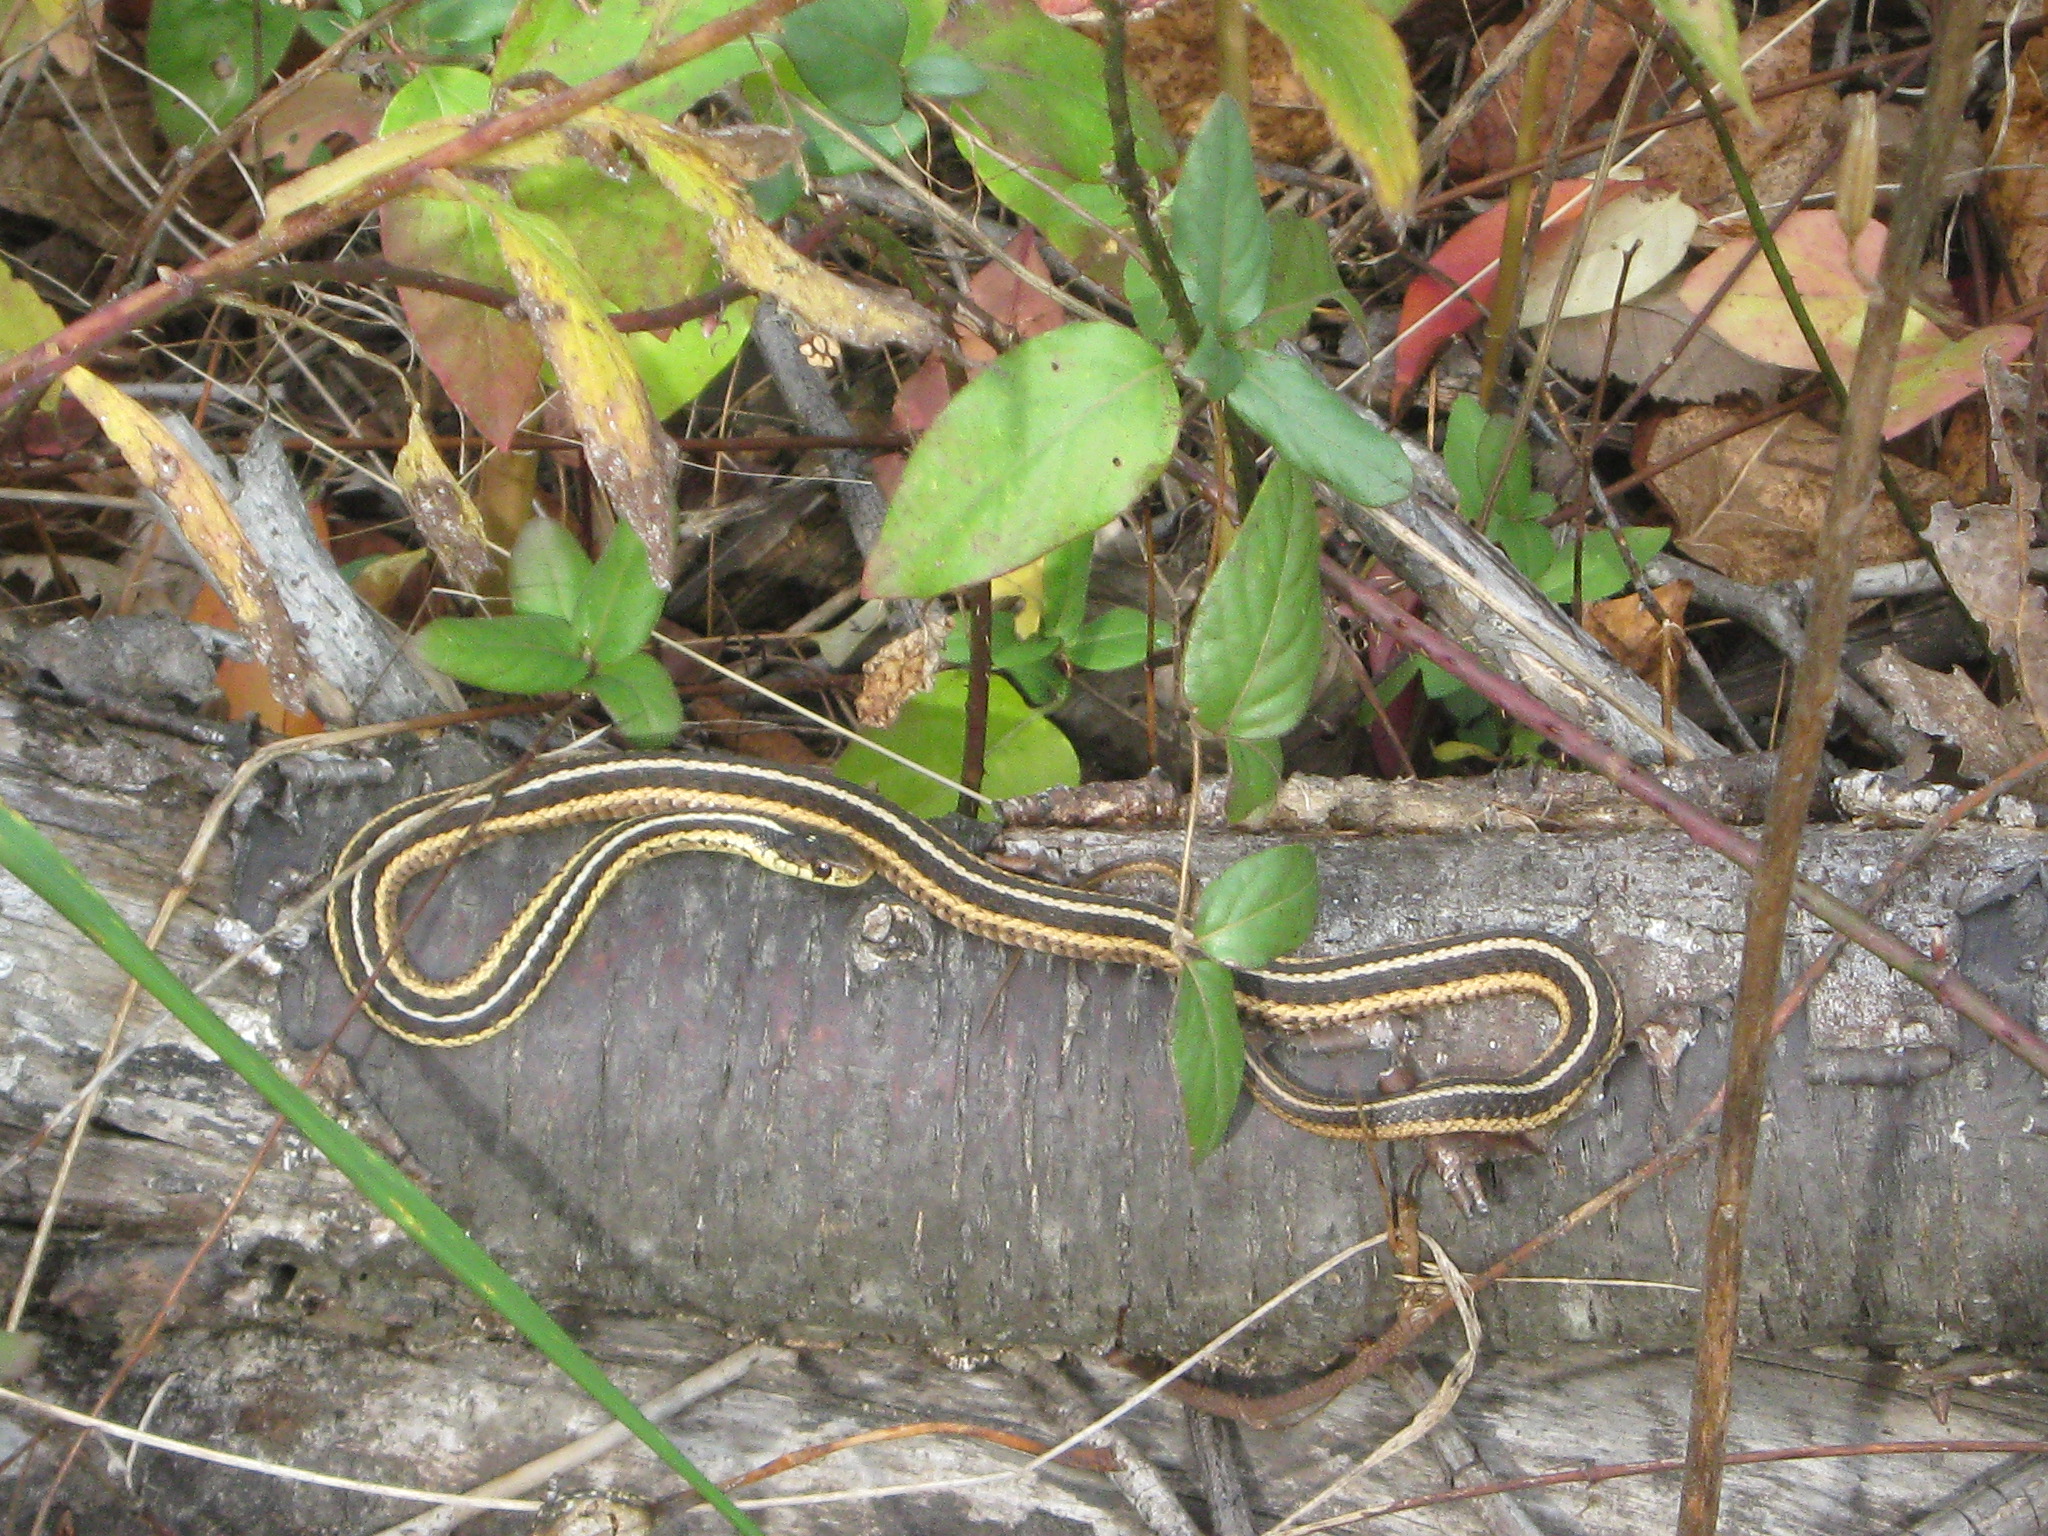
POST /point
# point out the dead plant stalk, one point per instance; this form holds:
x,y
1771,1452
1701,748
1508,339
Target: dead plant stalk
x,y
1812,708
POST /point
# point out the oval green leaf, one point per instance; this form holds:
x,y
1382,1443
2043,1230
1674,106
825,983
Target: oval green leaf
x,y
521,653
1254,777
1118,638
1208,1053
1221,240
1049,443
849,52
1262,906
1290,406
1257,641
548,570
620,602
641,699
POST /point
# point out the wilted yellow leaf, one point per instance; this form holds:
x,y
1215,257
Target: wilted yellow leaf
x,y
208,525
441,509
756,255
623,443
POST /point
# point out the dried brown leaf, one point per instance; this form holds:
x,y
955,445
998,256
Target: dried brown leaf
x,y
1646,329
442,511
2016,149
1951,706
1488,142
1690,157
1751,506
1640,640
899,671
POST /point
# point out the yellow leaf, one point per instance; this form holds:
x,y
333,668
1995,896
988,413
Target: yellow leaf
x,y
441,509
206,522
624,445
1354,64
756,255
25,320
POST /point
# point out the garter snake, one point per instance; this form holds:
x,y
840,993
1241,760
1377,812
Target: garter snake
x,y
820,828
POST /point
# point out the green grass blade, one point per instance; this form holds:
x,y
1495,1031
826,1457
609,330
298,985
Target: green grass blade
x,y
35,861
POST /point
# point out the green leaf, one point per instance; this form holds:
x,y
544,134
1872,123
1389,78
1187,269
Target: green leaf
x,y
1256,644
549,569
521,653
1220,238
1044,110
436,92
1708,28
639,695
1254,777
1148,306
1303,277
675,371
1602,572
32,859
1288,404
1117,638
575,40
849,53
944,76
212,56
1050,442
1474,443
1026,752
1261,907
1208,1052
620,602
1353,63
1065,599
1215,365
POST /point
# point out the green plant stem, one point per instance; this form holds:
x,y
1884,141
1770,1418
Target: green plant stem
x,y
1130,179
33,859
1507,290
1234,52
1760,226
1811,710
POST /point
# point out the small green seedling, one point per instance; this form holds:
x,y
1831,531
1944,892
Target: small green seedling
x,y
576,626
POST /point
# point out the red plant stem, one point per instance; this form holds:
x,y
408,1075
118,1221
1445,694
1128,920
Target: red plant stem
x,y
1938,977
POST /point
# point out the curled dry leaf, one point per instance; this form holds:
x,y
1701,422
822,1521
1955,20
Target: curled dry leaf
x,y
1647,644
1951,706
1982,551
2016,147
901,670
755,255
1751,506
1645,331
442,511
628,453
203,519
